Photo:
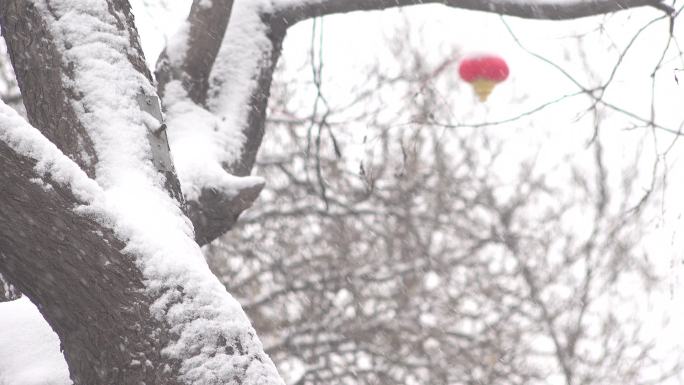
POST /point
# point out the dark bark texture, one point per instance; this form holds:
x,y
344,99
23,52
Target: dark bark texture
x,y
207,26
73,269
213,214
256,121
39,68
547,10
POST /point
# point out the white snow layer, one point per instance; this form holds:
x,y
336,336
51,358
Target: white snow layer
x,y
129,196
26,140
201,144
203,140
245,49
29,349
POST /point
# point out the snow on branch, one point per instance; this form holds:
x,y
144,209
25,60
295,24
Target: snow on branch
x,y
215,114
191,53
51,164
295,10
211,340
202,145
51,252
109,85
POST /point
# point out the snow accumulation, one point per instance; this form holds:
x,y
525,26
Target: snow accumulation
x,y
177,47
29,349
128,195
204,139
201,143
24,139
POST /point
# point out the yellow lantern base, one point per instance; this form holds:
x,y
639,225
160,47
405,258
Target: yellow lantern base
x,y
483,87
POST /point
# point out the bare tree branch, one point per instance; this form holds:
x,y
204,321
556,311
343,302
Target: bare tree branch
x,y
76,273
204,31
213,212
215,207
109,259
294,12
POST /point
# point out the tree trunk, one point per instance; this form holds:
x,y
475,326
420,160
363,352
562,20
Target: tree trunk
x,y
132,302
91,294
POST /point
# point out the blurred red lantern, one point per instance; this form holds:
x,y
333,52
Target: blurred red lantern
x,y
483,72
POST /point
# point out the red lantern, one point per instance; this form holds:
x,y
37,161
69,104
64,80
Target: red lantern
x,y
483,72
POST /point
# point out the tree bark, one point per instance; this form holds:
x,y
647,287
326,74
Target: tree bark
x,y
544,10
72,268
215,212
124,314
206,26
39,68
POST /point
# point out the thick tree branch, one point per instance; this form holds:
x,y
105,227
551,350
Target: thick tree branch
x,y
194,87
71,266
213,211
174,320
45,72
294,12
41,79
191,63
64,276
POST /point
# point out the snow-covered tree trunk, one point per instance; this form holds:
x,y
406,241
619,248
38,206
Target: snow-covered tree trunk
x,y
93,227
100,227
